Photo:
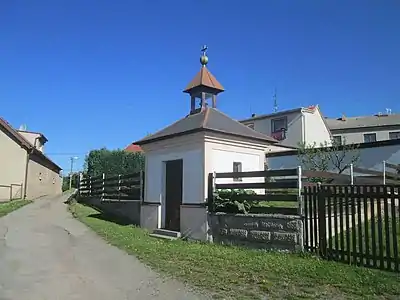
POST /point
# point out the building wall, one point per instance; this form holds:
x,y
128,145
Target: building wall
x,y
220,154
12,166
30,137
315,129
357,137
294,127
191,150
42,179
370,158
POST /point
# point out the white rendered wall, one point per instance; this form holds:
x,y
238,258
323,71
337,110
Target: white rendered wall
x,y
188,148
220,156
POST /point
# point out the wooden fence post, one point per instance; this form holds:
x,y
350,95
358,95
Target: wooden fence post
x,y
119,187
210,196
300,209
90,186
80,184
299,189
322,222
103,192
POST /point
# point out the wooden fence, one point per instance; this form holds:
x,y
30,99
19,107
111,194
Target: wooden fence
x,y
390,174
279,190
113,188
356,224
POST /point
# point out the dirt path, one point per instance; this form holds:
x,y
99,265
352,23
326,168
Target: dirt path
x,y
46,254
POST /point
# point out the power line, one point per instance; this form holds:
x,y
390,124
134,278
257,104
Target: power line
x,y
68,154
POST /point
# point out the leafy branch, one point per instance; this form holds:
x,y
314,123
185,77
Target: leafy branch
x,y
326,157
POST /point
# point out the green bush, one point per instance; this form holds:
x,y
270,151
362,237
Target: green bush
x,y
65,184
232,201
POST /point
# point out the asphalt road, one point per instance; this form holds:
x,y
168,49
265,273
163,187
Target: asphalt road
x,y
45,254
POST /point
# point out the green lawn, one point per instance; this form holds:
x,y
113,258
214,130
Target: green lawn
x,y
237,273
7,207
278,204
365,242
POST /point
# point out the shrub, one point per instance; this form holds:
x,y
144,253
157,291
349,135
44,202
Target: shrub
x,y
232,201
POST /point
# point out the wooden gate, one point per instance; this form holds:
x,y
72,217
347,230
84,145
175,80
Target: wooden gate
x,y
355,224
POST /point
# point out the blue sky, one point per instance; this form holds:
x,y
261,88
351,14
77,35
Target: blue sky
x,y
100,73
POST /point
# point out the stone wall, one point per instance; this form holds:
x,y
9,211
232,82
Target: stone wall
x,y
266,231
128,211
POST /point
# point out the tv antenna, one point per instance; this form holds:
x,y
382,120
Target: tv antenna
x,y
275,102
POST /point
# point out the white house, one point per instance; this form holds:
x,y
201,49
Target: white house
x,y
180,157
365,129
291,127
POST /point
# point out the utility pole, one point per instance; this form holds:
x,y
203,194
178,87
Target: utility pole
x,y
70,174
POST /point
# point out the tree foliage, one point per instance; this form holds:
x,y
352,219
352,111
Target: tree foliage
x,y
113,162
324,157
65,183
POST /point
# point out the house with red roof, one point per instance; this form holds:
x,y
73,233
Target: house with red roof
x,y
133,148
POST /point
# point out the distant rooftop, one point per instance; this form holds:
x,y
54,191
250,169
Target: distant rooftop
x,y
34,132
133,148
280,113
363,121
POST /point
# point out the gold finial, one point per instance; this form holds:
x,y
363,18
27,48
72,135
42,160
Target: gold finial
x,y
203,57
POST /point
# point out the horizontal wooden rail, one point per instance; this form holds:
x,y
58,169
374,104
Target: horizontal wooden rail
x,y
273,210
257,185
267,173
389,175
393,166
266,197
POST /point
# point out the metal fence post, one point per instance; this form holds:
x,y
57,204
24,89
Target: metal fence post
x,y
351,175
384,172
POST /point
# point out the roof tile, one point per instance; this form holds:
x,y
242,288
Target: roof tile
x,y
209,119
204,78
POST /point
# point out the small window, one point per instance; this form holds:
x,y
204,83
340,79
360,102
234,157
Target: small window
x,y
237,168
337,140
369,137
251,125
277,125
395,135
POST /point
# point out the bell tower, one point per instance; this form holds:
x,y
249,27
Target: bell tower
x,y
204,87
